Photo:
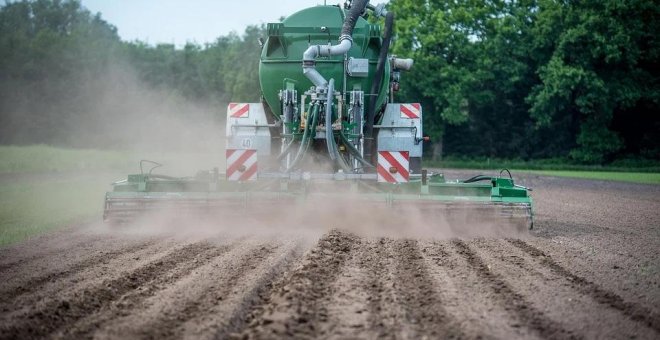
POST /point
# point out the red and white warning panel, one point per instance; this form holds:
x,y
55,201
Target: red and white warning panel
x,y
393,166
238,110
241,164
411,111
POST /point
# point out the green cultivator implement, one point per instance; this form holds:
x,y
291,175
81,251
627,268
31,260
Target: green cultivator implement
x,y
490,199
327,136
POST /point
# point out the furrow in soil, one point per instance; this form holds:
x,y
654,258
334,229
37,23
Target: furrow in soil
x,y
80,280
53,245
377,259
296,307
607,298
479,310
32,283
57,312
233,322
424,311
553,294
528,315
124,305
209,302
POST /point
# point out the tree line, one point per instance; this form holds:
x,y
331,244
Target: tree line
x,y
67,79
525,79
536,78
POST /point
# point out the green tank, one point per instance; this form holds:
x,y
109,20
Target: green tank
x,y
281,56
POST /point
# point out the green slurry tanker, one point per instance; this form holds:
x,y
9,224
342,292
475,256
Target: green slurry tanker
x,y
327,130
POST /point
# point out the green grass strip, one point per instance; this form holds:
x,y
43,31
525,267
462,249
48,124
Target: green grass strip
x,y
634,177
44,158
29,208
640,165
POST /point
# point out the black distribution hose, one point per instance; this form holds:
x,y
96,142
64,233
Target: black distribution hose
x,y
329,136
353,150
157,176
509,172
156,165
477,178
377,83
354,13
311,119
357,8
312,130
286,150
344,164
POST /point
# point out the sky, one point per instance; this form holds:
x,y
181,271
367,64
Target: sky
x,y
198,21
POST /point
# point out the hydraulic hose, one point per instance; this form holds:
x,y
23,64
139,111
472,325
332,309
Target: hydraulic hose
x,y
286,150
344,165
357,8
477,178
377,84
329,138
329,134
306,136
353,150
312,131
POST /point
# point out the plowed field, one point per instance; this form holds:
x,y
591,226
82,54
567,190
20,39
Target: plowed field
x,y
589,269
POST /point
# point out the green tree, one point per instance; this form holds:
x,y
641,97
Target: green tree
x,y
65,75
471,65
46,48
534,78
597,63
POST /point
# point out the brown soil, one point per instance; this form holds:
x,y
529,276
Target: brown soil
x,y
589,269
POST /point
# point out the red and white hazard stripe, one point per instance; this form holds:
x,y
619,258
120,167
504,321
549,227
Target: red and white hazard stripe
x,y
241,165
393,166
411,111
238,110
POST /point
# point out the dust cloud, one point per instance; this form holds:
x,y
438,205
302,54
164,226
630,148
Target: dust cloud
x,y
155,123
130,113
319,214
375,219
115,107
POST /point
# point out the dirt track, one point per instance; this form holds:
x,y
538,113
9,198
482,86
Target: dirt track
x,y
590,269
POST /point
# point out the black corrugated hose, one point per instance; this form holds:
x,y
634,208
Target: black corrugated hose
x,y
376,85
